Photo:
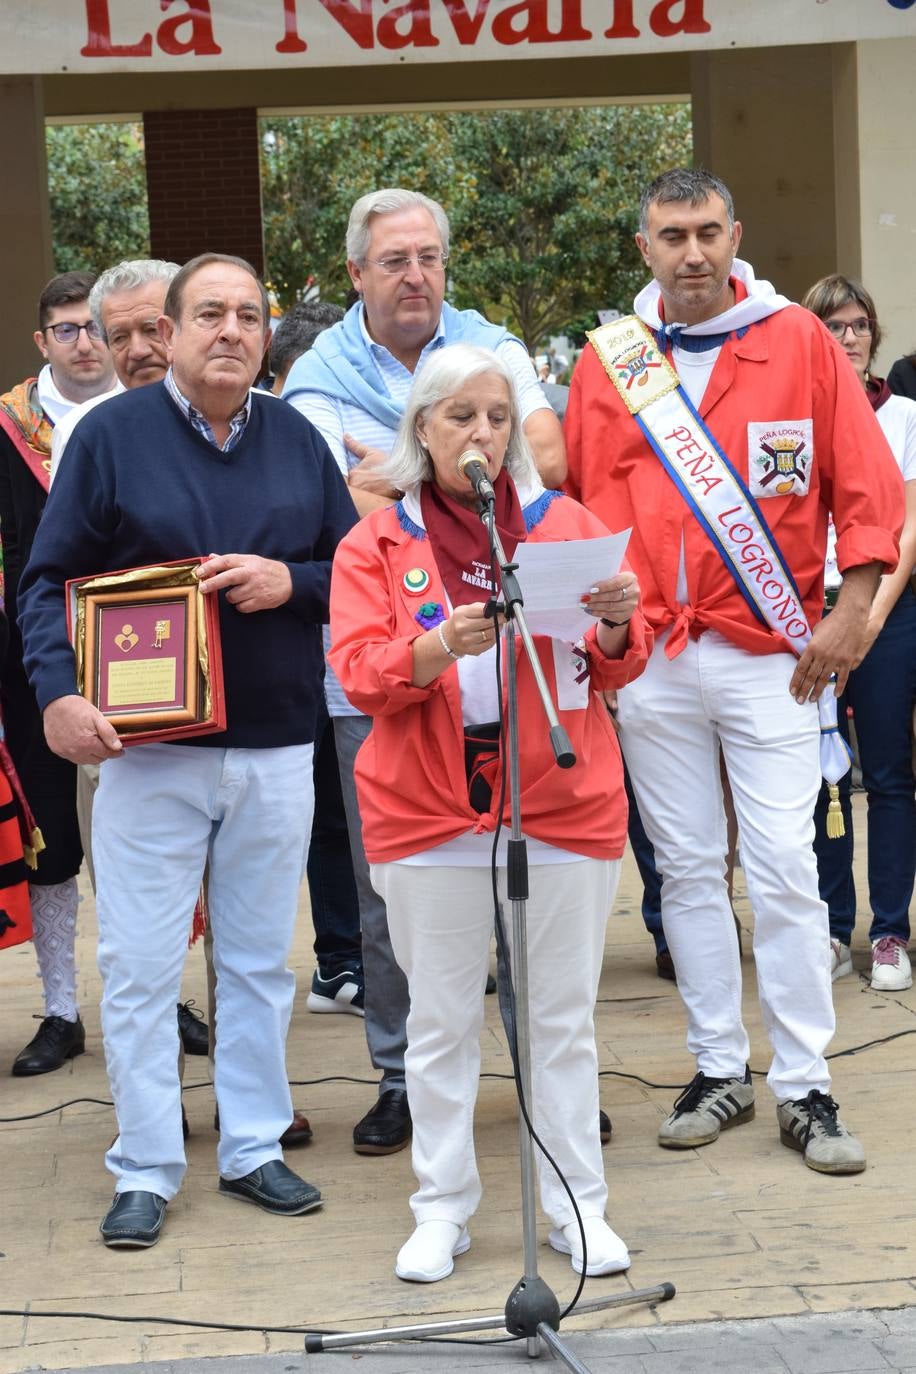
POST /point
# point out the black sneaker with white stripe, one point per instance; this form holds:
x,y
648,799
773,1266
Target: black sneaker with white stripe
x,y
706,1107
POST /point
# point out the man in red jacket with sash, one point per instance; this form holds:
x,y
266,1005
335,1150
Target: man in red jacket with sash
x,y
723,423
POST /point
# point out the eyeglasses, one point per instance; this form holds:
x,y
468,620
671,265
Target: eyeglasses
x,y
861,327
427,262
68,332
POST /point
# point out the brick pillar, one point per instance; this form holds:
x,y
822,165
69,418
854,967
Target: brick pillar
x,y
204,184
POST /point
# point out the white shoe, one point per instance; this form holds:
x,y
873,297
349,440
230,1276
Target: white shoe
x,y
890,965
840,960
607,1253
429,1254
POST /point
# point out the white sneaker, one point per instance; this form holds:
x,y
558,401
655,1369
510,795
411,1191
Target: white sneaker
x,y
840,960
607,1254
890,964
429,1254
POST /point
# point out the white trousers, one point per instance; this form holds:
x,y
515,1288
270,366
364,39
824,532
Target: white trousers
x,y
441,921
672,722
161,813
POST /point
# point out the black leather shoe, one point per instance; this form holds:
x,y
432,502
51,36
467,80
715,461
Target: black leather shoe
x,y
193,1029
604,1128
387,1128
298,1132
275,1188
665,966
133,1221
55,1042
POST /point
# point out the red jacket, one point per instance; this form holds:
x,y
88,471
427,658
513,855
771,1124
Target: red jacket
x,y
786,368
410,773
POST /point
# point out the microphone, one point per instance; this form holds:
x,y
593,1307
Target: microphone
x,y
473,465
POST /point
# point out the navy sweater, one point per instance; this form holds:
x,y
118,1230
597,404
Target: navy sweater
x,y
139,485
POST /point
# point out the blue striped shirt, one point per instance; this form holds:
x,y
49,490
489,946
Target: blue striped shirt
x,y
237,422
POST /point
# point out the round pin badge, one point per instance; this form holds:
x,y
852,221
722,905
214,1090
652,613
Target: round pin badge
x,y
416,581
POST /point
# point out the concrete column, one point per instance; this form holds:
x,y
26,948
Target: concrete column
x,y
204,183
25,225
884,99
815,143
764,123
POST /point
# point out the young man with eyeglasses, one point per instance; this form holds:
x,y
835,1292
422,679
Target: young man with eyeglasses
x,y
77,367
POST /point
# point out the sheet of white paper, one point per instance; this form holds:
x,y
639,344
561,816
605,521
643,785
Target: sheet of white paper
x,y
555,576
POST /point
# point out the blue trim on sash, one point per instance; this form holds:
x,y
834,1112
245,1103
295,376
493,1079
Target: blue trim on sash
x,y
740,484
751,500
700,517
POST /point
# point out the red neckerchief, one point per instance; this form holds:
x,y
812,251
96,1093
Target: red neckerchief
x,y
459,540
877,391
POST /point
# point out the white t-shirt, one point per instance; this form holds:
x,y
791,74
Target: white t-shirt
x,y
897,417
67,423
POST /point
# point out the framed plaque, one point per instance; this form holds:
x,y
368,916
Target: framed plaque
x,y
147,651
140,656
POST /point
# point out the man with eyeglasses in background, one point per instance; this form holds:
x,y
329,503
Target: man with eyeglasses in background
x,y
78,366
353,385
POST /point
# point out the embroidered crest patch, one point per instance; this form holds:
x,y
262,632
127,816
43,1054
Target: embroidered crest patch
x,y
780,456
633,366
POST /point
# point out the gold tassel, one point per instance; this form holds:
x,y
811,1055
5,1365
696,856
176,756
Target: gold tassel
x,y
836,828
30,852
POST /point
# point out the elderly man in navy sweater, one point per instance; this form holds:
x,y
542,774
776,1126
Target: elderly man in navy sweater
x,y
198,464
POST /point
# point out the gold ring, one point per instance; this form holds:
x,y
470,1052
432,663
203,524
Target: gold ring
x,y
483,636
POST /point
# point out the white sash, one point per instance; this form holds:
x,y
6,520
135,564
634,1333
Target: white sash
x,y
651,391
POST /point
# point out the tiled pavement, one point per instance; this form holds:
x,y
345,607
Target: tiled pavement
x,y
775,1267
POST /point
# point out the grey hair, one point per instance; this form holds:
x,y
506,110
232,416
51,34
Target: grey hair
x,y
127,276
388,202
445,370
679,184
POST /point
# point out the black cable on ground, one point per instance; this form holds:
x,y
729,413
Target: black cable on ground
x,y
240,1326
507,1077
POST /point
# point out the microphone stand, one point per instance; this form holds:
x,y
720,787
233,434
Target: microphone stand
x,y
532,1309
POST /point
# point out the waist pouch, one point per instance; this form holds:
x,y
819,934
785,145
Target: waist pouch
x,y
481,762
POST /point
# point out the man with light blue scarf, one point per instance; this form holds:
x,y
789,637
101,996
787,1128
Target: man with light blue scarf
x,y
352,385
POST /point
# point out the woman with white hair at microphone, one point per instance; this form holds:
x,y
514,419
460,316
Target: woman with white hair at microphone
x,y
415,649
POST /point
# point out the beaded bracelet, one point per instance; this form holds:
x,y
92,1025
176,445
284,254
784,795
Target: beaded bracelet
x,y
444,642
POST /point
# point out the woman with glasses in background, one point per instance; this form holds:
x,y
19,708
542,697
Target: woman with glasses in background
x,y
881,690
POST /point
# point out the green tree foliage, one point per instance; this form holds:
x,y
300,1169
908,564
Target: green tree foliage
x,y
97,182
314,168
543,231
542,202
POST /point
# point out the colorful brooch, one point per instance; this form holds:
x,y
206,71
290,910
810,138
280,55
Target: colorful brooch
x,y
416,581
430,615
